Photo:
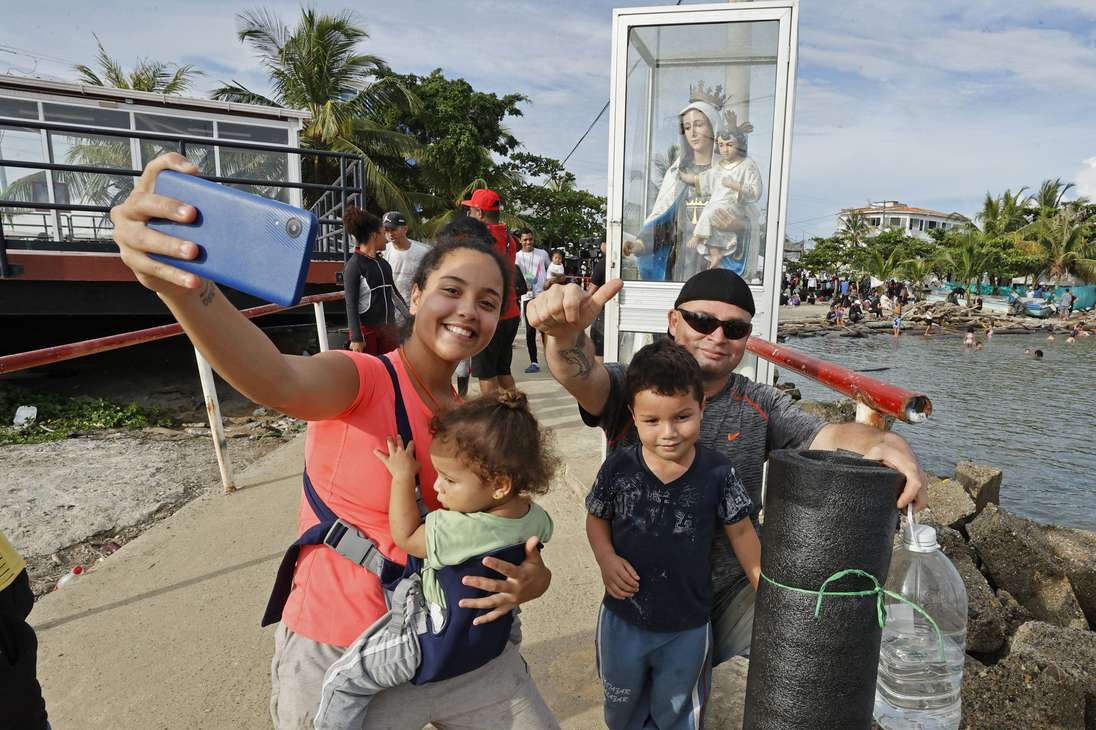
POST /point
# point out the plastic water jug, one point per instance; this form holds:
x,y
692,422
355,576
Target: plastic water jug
x,y
920,668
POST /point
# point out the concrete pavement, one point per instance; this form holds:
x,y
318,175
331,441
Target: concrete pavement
x,y
165,633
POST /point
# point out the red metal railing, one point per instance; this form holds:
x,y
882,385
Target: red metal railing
x,y
869,393
48,355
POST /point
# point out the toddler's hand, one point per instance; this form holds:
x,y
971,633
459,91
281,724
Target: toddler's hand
x,y
400,460
620,578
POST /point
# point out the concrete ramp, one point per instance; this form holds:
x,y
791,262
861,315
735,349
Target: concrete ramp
x,y
165,633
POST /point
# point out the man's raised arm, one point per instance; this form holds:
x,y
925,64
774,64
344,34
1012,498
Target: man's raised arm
x,y
563,313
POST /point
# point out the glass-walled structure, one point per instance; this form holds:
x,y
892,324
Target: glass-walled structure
x,y
701,100
67,124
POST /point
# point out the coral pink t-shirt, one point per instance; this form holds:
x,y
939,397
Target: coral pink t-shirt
x,y
334,600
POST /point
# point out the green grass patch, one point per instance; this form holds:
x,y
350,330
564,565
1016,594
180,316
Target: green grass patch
x,y
61,416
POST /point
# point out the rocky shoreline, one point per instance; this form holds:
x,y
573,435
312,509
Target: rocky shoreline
x,y
948,319
1031,592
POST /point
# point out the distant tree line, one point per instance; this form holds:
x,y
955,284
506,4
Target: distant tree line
x,y
1039,235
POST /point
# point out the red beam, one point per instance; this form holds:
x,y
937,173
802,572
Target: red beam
x,y
883,397
70,266
47,355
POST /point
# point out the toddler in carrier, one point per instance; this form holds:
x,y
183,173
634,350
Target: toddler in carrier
x,y
491,458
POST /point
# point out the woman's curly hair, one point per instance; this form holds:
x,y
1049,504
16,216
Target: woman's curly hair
x,y
497,435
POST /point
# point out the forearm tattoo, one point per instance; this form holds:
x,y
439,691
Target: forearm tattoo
x,y
209,290
577,357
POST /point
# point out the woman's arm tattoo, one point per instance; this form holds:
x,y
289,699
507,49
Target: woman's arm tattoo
x,y
209,290
578,357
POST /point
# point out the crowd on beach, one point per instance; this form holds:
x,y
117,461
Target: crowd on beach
x,y
420,532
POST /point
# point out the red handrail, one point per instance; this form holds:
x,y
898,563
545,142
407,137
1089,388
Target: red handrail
x,y
875,394
47,355
883,397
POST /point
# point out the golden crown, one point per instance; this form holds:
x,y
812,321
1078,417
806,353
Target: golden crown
x,y
709,95
731,126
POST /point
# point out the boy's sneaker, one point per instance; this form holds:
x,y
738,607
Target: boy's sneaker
x,y
533,368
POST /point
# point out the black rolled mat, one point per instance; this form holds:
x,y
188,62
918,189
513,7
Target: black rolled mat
x,y
824,513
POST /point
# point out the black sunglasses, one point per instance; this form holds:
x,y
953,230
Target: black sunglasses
x,y
705,324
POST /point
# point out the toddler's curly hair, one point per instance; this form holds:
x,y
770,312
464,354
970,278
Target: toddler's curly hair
x,y
498,436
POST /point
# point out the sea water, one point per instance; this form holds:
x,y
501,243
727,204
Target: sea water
x,y
1030,418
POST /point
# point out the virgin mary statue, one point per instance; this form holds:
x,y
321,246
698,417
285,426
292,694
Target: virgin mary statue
x,y
683,193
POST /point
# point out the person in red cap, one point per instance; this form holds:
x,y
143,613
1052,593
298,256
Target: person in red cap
x,y
492,366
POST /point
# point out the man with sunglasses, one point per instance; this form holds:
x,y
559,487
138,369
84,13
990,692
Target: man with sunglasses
x,y
742,419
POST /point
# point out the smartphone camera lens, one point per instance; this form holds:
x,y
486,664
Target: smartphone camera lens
x,y
293,227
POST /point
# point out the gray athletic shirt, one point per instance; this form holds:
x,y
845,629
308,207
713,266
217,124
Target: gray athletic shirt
x,y
744,422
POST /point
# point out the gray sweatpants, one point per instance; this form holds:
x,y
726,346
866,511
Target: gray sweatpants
x,y
500,694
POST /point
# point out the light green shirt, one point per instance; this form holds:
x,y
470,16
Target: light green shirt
x,y
453,537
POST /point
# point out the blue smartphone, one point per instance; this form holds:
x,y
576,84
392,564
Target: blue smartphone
x,y
250,243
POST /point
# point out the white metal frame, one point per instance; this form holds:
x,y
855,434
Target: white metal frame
x,y
213,403
642,306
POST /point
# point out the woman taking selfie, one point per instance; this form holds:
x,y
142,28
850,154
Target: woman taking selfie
x,y
349,402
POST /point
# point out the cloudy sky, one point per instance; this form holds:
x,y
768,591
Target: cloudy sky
x,y
931,102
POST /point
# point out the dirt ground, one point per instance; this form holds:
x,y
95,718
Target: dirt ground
x,y
75,501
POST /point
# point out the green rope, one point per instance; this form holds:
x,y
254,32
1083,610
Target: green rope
x,y
878,591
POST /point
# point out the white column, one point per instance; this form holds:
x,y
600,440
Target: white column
x,y
216,425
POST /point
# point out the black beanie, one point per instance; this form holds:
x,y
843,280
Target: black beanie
x,y
717,285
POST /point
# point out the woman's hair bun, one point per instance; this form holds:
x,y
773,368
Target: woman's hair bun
x,y
513,399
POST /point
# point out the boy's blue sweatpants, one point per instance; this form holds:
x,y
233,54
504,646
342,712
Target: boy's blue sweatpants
x,y
653,679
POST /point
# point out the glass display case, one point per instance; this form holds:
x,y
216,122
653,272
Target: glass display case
x,y
701,104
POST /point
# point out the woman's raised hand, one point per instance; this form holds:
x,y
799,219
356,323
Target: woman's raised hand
x,y
136,240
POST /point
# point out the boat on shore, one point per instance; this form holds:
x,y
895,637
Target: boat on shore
x,y
1038,308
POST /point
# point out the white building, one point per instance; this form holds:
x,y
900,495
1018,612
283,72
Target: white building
x,y
913,221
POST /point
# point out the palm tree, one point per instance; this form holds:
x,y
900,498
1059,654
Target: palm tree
x,y
882,267
104,151
1064,245
316,67
663,163
916,270
967,260
152,76
1004,214
854,229
1046,202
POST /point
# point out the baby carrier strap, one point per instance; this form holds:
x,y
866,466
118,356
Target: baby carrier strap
x,y
403,425
338,534
456,646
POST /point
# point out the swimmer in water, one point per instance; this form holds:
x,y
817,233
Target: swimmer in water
x,y
1050,338
1038,354
1027,350
1070,340
968,341
977,346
